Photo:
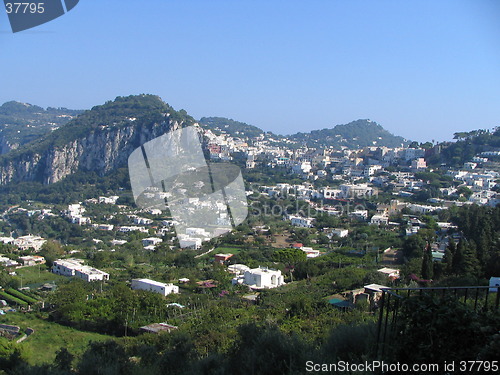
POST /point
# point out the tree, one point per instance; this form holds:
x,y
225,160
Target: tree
x,y
448,262
413,246
104,358
458,258
427,266
470,266
64,360
290,258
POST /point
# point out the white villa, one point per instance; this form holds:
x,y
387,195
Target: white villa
x,y
260,278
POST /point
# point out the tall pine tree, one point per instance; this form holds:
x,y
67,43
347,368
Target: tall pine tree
x,y
427,266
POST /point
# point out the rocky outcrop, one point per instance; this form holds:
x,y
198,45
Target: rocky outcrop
x,y
102,150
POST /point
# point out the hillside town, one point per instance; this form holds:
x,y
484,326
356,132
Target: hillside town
x,y
328,229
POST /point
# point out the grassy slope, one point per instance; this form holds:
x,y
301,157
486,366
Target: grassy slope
x,y
34,275
49,337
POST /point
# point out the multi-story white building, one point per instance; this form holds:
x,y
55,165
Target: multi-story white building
x,y
154,286
303,222
356,191
75,267
190,242
418,164
379,220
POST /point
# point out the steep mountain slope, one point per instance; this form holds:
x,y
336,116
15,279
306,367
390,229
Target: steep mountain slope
x,y
360,133
99,140
21,123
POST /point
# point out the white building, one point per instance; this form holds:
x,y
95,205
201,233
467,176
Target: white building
x,y
303,222
390,272
418,164
339,232
379,220
80,220
126,229
75,267
304,167
109,200
32,260
197,232
7,262
118,242
310,252
329,193
260,278
151,241
29,242
359,214
494,281
103,226
189,242
356,191
142,220
154,286
238,269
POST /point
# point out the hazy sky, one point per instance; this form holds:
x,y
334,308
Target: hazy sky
x,y
422,69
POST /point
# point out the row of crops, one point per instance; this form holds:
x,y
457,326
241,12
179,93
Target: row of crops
x,y
14,296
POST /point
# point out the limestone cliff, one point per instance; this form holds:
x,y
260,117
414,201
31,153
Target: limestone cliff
x,y
99,140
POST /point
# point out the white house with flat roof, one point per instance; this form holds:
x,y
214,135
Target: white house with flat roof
x,y
303,222
260,278
151,241
379,220
75,267
154,286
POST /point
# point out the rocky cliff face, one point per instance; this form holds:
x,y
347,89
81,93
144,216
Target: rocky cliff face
x,y
101,150
6,146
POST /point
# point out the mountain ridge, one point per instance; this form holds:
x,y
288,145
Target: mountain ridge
x,y
22,123
101,139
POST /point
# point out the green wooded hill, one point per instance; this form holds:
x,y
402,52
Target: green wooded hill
x,y
468,145
98,140
21,123
231,127
356,134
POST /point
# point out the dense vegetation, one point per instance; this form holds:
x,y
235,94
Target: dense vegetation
x,y
356,134
231,127
468,145
22,123
143,110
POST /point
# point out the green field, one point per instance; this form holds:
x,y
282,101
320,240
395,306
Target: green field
x,y
36,276
49,337
226,250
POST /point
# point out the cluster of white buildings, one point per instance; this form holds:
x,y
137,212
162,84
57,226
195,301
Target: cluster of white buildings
x,y
28,242
75,214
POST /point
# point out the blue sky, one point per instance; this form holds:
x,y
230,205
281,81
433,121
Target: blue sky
x,y
422,69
